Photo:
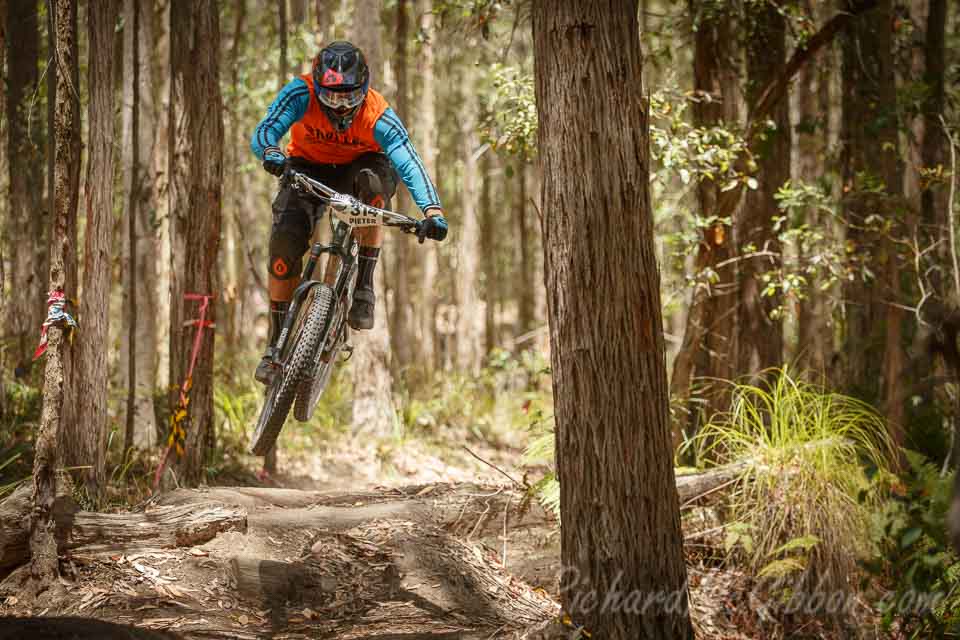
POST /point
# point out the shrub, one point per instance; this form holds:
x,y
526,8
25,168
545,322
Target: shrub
x,y
801,505
914,563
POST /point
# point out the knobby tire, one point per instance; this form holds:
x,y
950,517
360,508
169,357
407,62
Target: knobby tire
x,y
298,367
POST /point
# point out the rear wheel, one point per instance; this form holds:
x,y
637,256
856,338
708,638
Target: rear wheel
x,y
297,364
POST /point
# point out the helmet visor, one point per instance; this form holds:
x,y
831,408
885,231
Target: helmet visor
x,y
341,101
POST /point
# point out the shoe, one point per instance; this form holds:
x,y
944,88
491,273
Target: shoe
x,y
361,311
267,369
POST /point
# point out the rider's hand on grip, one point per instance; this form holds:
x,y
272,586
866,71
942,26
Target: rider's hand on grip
x,y
433,227
274,161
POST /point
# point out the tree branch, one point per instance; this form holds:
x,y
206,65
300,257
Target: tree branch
x,y
776,90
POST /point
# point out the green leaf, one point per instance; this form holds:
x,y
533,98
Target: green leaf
x,y
911,536
780,568
803,542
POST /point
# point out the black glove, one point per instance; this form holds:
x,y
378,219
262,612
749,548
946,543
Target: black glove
x,y
433,227
274,161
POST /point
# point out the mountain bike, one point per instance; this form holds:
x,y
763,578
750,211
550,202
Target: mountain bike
x,y
314,331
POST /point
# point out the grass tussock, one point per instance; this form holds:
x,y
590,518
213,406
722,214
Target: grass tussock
x,y
801,507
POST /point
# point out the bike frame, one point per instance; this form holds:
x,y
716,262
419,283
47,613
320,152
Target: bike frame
x,y
346,212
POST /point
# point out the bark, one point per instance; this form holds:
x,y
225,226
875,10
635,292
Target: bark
x,y
270,460
425,137
814,328
5,230
167,254
373,409
488,253
139,338
454,506
870,183
528,283
404,344
44,566
282,32
621,522
468,335
88,532
298,11
708,347
760,340
25,310
933,200
86,437
196,175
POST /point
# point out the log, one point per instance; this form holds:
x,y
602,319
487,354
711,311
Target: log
x,y
457,507
90,532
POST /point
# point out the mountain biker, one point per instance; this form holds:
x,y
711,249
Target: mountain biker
x,y
344,134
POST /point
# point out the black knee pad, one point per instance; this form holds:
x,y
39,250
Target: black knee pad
x,y
369,188
288,243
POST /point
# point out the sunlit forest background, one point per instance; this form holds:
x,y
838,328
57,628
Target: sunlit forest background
x,y
803,162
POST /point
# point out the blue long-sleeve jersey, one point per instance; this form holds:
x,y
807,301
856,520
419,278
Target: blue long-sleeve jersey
x,y
291,105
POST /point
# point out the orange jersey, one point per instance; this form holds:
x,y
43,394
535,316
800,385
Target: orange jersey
x,y
314,138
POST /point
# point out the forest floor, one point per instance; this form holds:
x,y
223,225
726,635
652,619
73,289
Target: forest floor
x,y
355,540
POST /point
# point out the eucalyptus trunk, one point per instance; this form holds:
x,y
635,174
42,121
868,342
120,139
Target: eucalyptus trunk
x,y
196,177
373,408
25,310
621,521
708,349
139,338
872,191
759,320
86,436
426,139
468,335
44,563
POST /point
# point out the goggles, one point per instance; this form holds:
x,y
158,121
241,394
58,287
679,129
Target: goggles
x,y
341,101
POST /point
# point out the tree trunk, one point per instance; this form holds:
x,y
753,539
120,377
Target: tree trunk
x,y
469,329
488,252
298,11
871,184
139,338
621,522
282,32
160,198
196,175
24,310
760,340
5,230
426,136
404,256
814,327
270,460
373,409
86,436
528,283
43,547
707,348
933,200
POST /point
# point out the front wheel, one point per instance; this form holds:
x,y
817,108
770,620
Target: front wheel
x,y
297,365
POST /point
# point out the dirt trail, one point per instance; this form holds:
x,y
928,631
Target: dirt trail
x,y
435,557
423,560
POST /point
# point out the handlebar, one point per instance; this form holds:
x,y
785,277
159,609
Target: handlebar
x,y
349,209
